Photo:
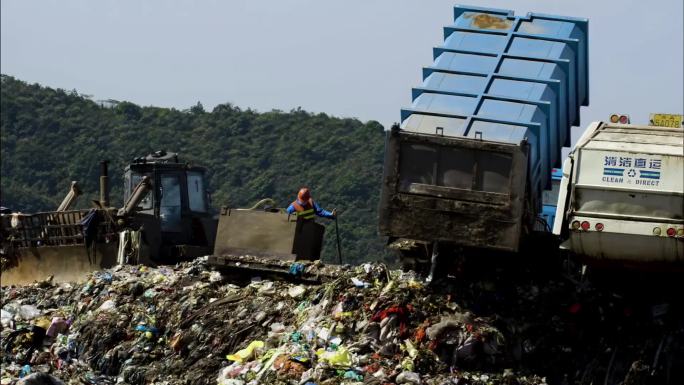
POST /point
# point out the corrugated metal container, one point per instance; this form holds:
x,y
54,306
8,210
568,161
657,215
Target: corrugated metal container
x,y
504,78
474,152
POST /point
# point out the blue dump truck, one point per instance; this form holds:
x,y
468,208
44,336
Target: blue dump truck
x,y
470,161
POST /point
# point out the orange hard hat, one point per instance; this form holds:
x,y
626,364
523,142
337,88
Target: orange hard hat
x,y
304,194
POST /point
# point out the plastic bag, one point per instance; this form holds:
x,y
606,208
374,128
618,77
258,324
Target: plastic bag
x,y
108,305
28,312
408,378
6,318
247,353
224,379
215,276
296,291
341,358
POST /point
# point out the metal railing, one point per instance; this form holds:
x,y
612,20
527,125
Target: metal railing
x,y
54,228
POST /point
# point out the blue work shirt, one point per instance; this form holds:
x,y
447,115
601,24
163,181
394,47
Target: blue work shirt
x,y
317,209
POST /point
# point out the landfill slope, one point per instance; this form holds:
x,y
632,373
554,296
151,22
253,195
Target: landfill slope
x,y
190,325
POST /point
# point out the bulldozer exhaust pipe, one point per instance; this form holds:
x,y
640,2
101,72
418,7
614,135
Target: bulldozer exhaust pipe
x,y
70,198
104,183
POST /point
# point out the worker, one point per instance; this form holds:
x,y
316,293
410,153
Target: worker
x,y
306,208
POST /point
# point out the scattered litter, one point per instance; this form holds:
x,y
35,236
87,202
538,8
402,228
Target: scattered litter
x,y
190,325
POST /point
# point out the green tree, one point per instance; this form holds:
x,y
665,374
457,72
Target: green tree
x,y
50,137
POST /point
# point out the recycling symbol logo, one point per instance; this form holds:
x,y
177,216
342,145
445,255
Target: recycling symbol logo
x,y
631,173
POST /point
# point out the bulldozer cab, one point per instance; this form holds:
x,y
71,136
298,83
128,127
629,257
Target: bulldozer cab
x,y
175,211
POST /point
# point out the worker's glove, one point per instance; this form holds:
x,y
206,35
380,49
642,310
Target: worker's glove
x,y
334,213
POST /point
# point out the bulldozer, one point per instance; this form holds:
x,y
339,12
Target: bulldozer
x,y
166,218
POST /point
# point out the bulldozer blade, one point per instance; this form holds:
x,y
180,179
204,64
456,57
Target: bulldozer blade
x,y
270,235
266,244
258,231
66,263
245,266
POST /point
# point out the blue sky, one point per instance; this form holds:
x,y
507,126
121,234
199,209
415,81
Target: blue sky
x,y
352,58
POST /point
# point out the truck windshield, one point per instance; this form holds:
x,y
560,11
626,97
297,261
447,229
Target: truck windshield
x,y
454,167
627,203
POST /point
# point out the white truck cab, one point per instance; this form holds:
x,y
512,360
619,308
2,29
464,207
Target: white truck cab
x,y
622,195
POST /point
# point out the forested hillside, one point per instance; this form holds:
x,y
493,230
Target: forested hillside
x,y
51,137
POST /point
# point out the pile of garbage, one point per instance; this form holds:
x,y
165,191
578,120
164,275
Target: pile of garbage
x,y
188,325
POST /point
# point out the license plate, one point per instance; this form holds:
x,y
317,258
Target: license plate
x,y
667,120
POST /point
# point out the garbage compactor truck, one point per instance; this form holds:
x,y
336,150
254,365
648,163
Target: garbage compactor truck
x,y
621,197
468,163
